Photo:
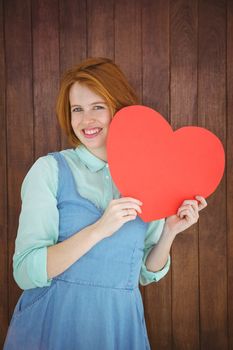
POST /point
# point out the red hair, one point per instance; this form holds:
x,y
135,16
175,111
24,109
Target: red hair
x,y
105,78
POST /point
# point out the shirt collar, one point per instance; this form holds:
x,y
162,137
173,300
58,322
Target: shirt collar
x,y
90,160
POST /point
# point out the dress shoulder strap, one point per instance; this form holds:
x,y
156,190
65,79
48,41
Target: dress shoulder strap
x,y
66,182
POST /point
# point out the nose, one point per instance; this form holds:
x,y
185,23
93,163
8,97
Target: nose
x,y
88,116
88,119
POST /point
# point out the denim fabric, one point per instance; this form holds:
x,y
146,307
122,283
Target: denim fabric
x,y
96,303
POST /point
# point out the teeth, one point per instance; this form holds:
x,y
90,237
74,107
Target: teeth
x,y
93,131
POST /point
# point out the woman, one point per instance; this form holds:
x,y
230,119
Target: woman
x,y
81,248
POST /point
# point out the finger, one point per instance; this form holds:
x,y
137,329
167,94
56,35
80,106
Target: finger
x,y
129,199
129,218
189,210
129,205
202,202
189,215
187,206
192,202
186,214
129,212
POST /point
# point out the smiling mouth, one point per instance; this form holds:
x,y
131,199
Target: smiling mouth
x,y
90,133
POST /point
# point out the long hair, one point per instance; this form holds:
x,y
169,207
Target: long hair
x,y
105,78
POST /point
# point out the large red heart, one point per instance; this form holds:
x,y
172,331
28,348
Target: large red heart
x,y
161,167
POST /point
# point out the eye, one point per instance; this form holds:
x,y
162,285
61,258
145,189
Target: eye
x,y
99,107
76,109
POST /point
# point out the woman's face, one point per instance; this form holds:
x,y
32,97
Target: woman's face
x,y
90,119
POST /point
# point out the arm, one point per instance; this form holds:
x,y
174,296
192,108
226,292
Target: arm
x,y
159,254
62,255
38,257
186,216
153,234
38,224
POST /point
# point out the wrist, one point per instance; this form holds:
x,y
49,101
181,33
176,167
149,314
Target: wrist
x,y
97,232
168,232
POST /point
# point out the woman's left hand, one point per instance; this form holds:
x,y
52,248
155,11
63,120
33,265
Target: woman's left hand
x,y
186,216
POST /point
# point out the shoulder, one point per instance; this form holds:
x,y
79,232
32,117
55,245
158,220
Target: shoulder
x,y
47,165
44,172
44,166
41,176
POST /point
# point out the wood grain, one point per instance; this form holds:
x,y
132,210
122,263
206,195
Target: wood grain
x,y
128,41
183,54
229,170
19,116
155,65
212,224
100,28
45,19
3,190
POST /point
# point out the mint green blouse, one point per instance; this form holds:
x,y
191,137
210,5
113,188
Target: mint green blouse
x,y
39,218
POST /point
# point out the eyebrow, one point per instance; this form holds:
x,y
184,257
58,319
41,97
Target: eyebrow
x,y
93,103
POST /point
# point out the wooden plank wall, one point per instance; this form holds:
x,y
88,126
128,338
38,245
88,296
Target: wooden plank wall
x,y
178,56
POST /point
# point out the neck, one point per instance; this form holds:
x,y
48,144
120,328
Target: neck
x,y
100,153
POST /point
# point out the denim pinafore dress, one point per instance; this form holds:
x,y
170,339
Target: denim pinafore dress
x,y
96,303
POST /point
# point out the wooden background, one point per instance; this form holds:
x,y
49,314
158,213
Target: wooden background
x,y
179,57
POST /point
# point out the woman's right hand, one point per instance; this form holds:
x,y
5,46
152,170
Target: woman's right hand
x,y
118,212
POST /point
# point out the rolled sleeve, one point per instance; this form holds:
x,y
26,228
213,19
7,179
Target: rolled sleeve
x,y
30,270
147,277
153,234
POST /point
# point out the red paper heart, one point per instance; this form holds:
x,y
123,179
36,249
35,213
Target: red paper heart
x,y
161,167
